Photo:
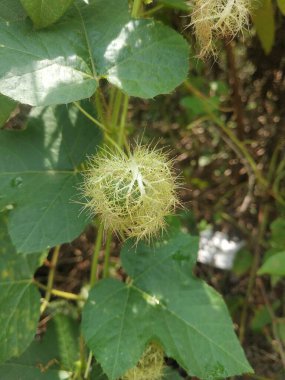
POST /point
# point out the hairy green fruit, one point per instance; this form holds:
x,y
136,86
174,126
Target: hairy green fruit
x,y
131,193
149,367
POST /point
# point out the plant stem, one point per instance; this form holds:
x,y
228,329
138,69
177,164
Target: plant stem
x,y
59,293
100,125
123,120
274,322
107,255
90,117
116,107
136,8
93,277
94,266
51,275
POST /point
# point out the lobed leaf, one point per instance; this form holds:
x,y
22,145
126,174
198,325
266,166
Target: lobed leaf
x,y
188,318
65,62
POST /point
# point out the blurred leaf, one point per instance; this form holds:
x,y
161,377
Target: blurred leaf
x,y
6,107
39,177
188,318
243,261
275,265
277,239
262,317
45,359
45,12
281,6
19,298
263,18
197,106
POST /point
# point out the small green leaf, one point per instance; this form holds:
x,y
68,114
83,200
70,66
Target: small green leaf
x,y
281,6
277,239
262,317
19,298
189,319
196,106
263,18
39,176
45,12
274,265
6,107
243,262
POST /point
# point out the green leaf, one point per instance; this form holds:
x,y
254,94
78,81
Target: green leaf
x,y
38,171
263,18
281,6
242,262
11,10
6,107
262,317
147,59
45,12
274,265
189,319
277,239
19,298
197,107
64,63
45,357
45,67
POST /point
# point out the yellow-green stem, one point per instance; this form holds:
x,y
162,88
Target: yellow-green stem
x,y
59,293
98,245
123,120
51,275
107,255
116,108
100,125
137,4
